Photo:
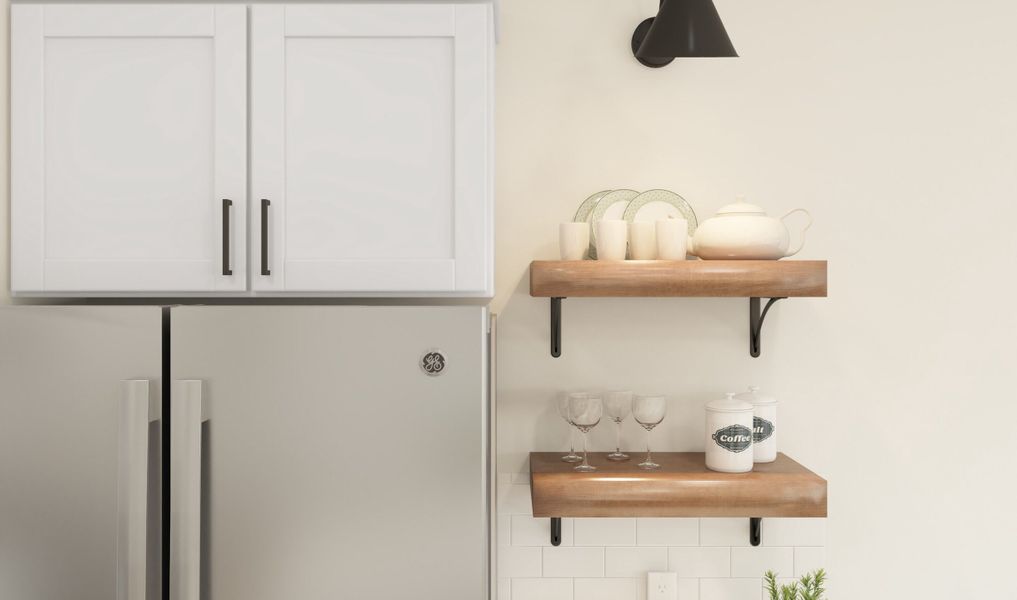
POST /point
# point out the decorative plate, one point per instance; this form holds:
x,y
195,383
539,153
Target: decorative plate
x,y
610,206
585,213
656,205
586,208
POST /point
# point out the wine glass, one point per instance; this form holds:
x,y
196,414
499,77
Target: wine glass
x,y
563,411
585,411
649,411
618,405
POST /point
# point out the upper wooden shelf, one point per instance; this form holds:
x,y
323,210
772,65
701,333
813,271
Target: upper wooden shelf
x,y
698,278
683,487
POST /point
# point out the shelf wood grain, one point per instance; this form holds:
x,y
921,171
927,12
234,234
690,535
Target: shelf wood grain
x,y
684,487
690,278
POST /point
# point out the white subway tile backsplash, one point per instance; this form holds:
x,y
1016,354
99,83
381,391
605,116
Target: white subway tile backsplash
x,y
608,558
531,531
609,589
730,589
604,532
754,562
634,562
809,559
700,562
688,589
514,500
794,532
573,562
541,589
667,532
725,532
515,561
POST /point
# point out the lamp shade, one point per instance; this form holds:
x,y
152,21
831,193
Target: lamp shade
x,y
683,28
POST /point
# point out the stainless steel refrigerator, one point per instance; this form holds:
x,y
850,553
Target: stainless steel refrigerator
x,y
244,452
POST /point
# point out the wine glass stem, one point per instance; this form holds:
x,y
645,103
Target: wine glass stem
x,y
617,445
649,457
585,463
572,441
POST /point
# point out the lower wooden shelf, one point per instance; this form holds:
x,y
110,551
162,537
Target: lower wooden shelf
x,y
683,487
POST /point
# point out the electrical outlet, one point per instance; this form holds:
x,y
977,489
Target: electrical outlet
x,y
662,586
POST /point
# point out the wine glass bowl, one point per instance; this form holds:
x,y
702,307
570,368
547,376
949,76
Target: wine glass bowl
x,y
618,406
649,411
585,412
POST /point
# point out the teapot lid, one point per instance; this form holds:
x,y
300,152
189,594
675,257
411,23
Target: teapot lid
x,y
741,207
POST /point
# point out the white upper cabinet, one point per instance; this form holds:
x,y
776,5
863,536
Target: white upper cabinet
x,y
129,148
371,149
368,148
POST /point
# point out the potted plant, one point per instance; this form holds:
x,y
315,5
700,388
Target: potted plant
x,y
808,587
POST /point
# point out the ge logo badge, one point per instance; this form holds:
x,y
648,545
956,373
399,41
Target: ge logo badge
x,y
433,363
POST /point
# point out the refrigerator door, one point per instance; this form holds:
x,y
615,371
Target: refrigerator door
x,y
343,452
80,475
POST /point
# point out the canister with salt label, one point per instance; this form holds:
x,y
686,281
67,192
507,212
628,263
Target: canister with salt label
x,y
729,435
764,424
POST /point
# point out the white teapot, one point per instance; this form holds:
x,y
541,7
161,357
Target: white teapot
x,y
742,231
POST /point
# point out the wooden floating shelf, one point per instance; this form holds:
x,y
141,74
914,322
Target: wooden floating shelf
x,y
678,278
752,279
683,487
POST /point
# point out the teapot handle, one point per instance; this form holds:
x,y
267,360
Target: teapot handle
x,y
801,242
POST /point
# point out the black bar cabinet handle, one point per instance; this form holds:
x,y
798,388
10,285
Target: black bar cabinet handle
x,y
227,205
264,237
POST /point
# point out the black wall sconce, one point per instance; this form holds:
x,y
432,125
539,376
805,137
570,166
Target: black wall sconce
x,y
681,29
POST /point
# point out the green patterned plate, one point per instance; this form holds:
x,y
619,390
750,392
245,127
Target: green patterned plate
x,y
585,213
656,205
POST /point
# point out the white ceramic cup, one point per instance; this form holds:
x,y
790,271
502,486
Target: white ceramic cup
x,y
672,239
612,235
574,240
642,240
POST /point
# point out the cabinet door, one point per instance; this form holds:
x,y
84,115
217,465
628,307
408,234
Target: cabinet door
x,y
129,150
371,134
80,475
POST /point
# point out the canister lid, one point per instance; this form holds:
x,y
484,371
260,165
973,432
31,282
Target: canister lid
x,y
729,405
754,398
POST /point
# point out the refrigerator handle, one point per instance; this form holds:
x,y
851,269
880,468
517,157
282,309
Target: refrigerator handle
x,y
137,409
186,416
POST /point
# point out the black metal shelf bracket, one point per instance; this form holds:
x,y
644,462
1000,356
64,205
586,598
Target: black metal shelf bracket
x,y
556,327
556,531
756,323
755,530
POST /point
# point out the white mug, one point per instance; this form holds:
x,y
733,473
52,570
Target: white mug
x,y
672,239
612,235
573,240
642,240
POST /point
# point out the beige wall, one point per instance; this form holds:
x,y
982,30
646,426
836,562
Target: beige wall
x,y
894,122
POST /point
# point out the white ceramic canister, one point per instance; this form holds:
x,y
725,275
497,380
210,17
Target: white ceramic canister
x,y
729,435
764,424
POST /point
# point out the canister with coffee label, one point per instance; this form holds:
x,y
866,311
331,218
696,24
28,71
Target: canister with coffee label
x,y
764,424
729,435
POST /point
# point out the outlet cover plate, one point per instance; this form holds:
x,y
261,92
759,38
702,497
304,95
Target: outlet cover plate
x,y
661,586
